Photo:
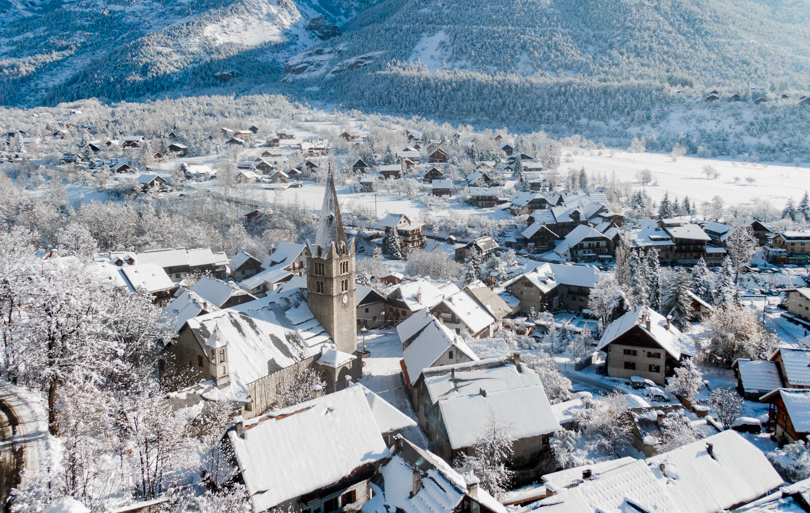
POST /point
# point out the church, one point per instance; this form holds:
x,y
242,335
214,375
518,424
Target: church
x,y
253,350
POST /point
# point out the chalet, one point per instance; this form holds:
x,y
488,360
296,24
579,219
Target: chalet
x,y
644,343
482,246
121,168
180,262
408,298
574,285
263,166
132,141
315,456
273,142
219,293
712,98
285,133
243,134
351,136
427,342
789,247
428,480
462,313
158,157
254,129
149,278
761,232
287,256
489,300
235,141
409,157
367,183
256,218
756,378
583,244
410,233
454,412
413,135
690,242
314,148
789,412
434,174
244,265
484,197
497,138
536,290
734,97
152,182
394,278
370,308
360,166
95,148
540,237
718,232
247,177
794,367
761,99
437,156
307,166
523,203
506,148
198,172
701,310
278,177
441,188
479,177
391,171
732,472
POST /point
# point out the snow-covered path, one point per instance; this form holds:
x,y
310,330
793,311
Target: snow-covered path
x,y
25,430
382,375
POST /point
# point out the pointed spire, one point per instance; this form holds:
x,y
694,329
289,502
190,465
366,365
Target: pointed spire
x,y
330,228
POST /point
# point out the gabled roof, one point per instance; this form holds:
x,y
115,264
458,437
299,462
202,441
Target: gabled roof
x,y
362,292
149,277
273,275
541,277
577,235
388,418
186,306
442,184
216,291
796,363
239,260
687,231
487,298
758,376
535,228
485,191
574,275
469,312
797,403
284,255
670,339
306,447
409,294
431,342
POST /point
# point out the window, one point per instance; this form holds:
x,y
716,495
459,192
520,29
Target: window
x,y
221,355
630,365
348,497
366,310
650,354
630,352
655,368
450,354
199,360
330,505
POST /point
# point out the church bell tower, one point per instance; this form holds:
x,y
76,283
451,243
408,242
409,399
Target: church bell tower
x,y
331,287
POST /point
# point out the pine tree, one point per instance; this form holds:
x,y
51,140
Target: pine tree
x,y
677,302
473,270
654,275
665,210
622,269
639,280
686,209
676,208
789,212
702,283
804,208
726,294
583,179
395,245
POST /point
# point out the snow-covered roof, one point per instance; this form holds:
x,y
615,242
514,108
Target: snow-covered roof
x,y
577,235
796,363
797,403
414,324
541,277
467,393
273,275
388,418
333,358
670,339
164,257
469,312
186,306
216,291
688,232
408,293
758,376
66,505
149,277
571,476
256,348
797,236
306,447
717,228
574,275
287,307
485,191
239,259
490,347
566,411
361,292
391,168
284,254
651,236
146,179
736,472
431,342
442,184
486,297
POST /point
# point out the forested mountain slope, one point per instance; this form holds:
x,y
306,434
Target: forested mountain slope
x,y
58,50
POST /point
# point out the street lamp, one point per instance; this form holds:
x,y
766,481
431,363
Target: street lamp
x,y
363,330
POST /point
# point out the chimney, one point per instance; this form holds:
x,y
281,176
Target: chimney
x,y
317,391
710,450
669,322
419,296
647,320
417,482
472,485
587,473
516,359
482,392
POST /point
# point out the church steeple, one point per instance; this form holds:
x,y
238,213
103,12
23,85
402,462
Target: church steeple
x,y
330,229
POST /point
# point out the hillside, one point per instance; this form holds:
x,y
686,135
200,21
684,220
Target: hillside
x,y
55,51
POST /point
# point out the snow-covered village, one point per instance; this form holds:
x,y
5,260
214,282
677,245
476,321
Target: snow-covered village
x,y
376,256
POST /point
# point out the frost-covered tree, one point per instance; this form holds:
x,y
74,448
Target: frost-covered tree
x,y
702,283
687,381
604,429
677,431
792,461
607,301
803,210
394,245
76,240
790,212
677,302
639,279
726,292
491,453
472,272
734,331
653,267
665,208
298,388
557,386
622,269
741,245
569,449
727,404
434,264
686,207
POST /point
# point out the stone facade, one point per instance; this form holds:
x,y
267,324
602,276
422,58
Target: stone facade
x,y
798,303
331,290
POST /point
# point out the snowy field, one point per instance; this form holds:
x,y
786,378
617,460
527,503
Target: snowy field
x,y
773,183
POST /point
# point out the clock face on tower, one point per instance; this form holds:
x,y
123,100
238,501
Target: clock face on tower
x,y
345,298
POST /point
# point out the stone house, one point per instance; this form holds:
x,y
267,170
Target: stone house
x,y
428,343
536,290
453,404
644,343
482,246
461,312
244,265
798,303
370,308
410,233
789,247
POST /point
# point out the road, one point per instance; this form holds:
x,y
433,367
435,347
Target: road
x,y
23,429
